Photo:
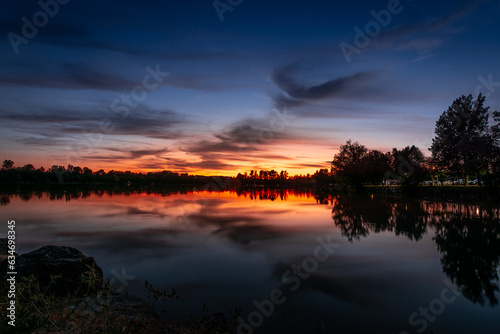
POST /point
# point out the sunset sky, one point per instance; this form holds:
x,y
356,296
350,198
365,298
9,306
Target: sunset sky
x,y
221,87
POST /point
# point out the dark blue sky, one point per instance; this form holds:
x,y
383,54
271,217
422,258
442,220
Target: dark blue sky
x,y
147,85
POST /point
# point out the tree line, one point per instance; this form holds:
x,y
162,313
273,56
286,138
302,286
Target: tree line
x,y
465,146
75,175
272,179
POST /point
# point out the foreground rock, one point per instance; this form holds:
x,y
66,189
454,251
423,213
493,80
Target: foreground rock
x,y
59,270
83,305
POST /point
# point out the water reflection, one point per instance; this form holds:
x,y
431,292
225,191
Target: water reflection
x,y
470,249
467,235
357,216
166,223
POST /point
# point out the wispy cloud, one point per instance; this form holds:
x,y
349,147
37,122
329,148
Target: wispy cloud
x,y
294,93
40,141
428,35
71,76
142,121
247,135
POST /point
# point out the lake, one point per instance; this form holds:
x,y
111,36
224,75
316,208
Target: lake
x,y
293,262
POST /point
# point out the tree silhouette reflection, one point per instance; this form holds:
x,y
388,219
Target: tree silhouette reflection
x,y
467,236
470,248
410,219
357,216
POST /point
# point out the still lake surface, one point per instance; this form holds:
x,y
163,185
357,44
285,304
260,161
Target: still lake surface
x,y
368,264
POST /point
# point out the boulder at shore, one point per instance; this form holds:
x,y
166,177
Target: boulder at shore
x,y
68,264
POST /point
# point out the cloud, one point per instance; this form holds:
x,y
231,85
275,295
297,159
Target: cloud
x,y
211,82
129,154
247,135
447,20
140,153
61,122
296,94
40,141
310,165
241,226
187,166
348,290
72,76
421,45
422,36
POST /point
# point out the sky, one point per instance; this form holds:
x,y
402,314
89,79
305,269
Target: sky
x,y
221,87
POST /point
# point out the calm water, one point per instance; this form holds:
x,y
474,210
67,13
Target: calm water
x,y
330,265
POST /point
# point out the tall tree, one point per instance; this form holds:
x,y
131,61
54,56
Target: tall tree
x,y
495,131
348,164
408,165
463,144
376,164
7,164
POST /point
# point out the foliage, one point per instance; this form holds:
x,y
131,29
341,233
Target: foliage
x,y
155,296
408,164
7,164
355,165
215,323
37,311
75,175
376,165
463,143
271,179
495,132
348,165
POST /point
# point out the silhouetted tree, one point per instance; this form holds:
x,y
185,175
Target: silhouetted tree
x,y
28,168
408,165
463,144
7,164
355,165
495,130
348,165
376,164
322,177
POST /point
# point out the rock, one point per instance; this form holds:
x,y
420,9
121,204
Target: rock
x,y
4,246
4,249
67,263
